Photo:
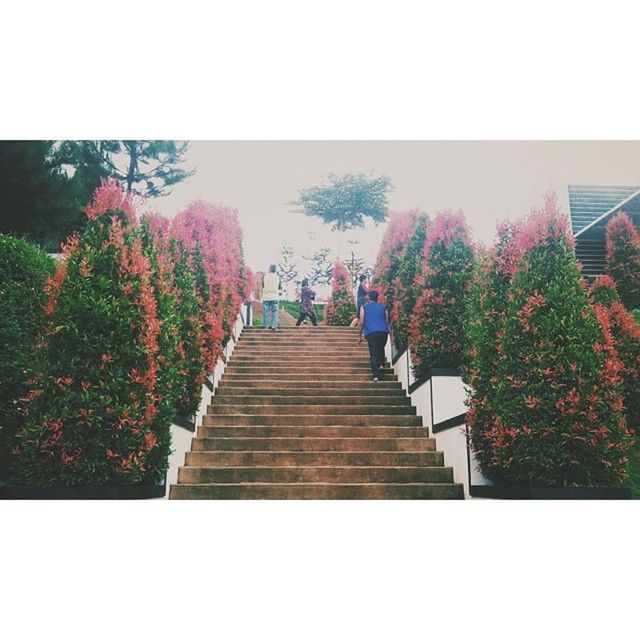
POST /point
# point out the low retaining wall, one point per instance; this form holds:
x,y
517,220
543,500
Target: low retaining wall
x,y
439,398
182,433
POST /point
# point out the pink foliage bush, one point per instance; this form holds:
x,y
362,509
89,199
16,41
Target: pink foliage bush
x,y
623,258
215,233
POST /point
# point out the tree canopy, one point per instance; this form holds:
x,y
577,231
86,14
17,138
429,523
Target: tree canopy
x,y
346,201
146,167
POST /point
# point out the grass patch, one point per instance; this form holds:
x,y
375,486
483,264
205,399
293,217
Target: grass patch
x,y
294,309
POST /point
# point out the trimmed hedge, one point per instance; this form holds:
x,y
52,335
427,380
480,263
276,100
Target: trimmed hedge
x,y
96,413
24,269
405,293
400,230
625,331
436,326
623,258
123,347
556,415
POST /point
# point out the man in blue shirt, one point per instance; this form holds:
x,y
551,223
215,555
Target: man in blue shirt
x,y
374,322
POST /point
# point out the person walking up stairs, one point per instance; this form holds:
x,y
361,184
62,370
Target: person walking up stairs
x,y
296,415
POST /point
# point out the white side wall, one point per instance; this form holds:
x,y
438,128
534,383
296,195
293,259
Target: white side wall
x,y
181,437
449,394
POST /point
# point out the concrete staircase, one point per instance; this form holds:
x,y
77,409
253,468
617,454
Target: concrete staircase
x,y
297,415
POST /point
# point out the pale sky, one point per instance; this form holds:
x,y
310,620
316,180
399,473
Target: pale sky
x,y
487,180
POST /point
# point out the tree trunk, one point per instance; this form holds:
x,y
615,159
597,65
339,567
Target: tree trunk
x,y
133,164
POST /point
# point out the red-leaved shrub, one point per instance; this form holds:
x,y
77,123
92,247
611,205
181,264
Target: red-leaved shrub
x,y
399,231
626,334
340,309
623,258
484,322
555,416
214,237
96,408
181,309
405,293
436,326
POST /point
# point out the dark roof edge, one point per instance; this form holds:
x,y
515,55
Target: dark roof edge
x,y
606,214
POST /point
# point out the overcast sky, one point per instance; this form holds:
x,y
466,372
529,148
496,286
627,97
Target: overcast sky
x,y
487,180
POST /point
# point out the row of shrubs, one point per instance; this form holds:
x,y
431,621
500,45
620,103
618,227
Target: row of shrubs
x,y
553,364
105,347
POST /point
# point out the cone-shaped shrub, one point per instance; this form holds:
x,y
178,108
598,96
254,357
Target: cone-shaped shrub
x,y
95,409
405,293
626,333
181,310
485,315
399,231
436,327
558,416
24,269
340,308
623,258
215,234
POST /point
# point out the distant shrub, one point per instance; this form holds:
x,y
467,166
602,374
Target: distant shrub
x,y
623,258
24,269
436,326
340,309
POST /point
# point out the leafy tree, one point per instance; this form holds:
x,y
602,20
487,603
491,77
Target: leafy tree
x,y
145,167
37,198
346,201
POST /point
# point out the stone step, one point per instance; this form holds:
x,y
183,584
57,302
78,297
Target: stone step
x,y
283,400
321,328
312,444
278,341
305,356
294,350
316,491
314,458
370,388
292,340
274,360
229,420
316,432
312,409
294,369
393,475
297,378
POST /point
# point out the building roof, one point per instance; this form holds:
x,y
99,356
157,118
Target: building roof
x,y
588,203
591,207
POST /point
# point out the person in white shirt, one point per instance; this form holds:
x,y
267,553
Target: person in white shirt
x,y
271,299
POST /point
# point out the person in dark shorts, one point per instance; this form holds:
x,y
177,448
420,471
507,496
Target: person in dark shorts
x,y
307,296
363,289
374,323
